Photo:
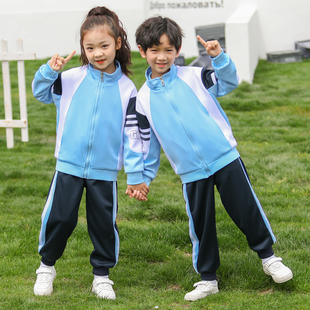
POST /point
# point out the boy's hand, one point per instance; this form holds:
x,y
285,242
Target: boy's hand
x,y
138,196
57,62
138,191
213,48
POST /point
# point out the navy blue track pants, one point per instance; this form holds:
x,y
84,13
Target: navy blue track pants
x,y
241,204
60,217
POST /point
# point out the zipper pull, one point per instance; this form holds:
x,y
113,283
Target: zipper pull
x,y
101,77
162,81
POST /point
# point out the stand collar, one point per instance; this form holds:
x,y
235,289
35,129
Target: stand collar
x,y
160,82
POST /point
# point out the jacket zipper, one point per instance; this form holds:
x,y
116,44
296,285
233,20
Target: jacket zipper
x,y
201,158
88,157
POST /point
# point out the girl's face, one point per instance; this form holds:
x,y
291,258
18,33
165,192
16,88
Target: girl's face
x,y
100,48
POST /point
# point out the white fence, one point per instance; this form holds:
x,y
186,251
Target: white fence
x,y
8,122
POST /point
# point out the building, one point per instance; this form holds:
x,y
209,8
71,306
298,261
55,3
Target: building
x,y
253,28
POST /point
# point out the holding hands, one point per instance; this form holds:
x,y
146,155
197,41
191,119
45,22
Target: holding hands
x,y
213,48
138,191
57,62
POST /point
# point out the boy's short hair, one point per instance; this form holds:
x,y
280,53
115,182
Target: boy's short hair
x,y
149,32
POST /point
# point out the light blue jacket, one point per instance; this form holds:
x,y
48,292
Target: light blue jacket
x,y
91,111
179,112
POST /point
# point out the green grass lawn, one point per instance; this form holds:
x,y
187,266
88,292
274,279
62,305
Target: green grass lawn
x,y
270,120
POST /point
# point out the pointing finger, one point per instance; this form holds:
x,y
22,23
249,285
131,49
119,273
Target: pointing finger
x,y
70,56
201,40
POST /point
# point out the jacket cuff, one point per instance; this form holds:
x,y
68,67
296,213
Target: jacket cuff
x,y
147,180
135,178
47,71
220,60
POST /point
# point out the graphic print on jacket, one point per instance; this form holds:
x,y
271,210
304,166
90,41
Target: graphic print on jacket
x,y
133,158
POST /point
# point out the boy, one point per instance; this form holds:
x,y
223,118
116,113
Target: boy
x,y
177,110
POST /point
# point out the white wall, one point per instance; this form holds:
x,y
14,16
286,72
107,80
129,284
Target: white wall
x,y
47,27
243,23
282,22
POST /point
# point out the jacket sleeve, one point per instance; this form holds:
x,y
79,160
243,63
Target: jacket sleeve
x,y
133,155
223,79
43,83
150,147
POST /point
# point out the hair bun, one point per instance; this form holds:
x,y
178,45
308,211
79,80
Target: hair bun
x,y
100,11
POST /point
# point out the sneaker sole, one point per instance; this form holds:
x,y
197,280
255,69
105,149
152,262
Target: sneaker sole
x,y
286,278
194,299
43,293
108,296
113,297
47,292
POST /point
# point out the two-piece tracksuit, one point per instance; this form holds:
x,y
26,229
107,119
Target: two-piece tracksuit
x,y
91,112
179,112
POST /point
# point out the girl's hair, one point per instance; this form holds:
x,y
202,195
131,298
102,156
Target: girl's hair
x,y
100,16
150,31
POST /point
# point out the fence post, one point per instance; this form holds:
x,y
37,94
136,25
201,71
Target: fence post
x,y
22,91
9,123
7,95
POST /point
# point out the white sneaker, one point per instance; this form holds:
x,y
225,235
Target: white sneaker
x,y
102,287
279,272
203,289
44,282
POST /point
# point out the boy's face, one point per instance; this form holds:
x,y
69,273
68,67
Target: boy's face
x,y
160,57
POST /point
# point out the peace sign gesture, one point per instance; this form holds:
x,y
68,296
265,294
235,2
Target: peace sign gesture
x,y
213,48
57,62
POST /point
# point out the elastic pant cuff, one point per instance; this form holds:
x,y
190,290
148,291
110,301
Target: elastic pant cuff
x,y
265,253
101,271
208,276
48,262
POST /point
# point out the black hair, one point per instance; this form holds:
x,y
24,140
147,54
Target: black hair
x,y
149,32
99,16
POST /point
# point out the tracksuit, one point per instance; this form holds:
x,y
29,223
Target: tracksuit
x,y
91,110
179,113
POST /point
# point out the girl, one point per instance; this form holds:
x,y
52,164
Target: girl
x,y
91,103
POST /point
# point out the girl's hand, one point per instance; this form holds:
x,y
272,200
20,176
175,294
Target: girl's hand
x,y
138,191
57,62
213,48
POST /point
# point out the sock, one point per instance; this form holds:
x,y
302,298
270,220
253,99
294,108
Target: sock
x,y
45,266
264,260
96,277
